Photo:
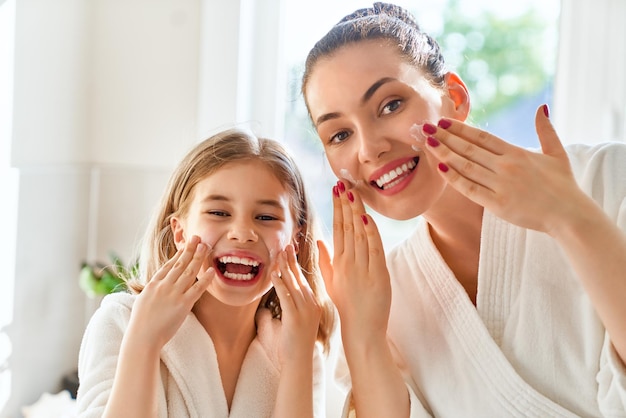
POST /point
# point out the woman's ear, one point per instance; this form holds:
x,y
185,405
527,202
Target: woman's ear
x,y
178,232
458,93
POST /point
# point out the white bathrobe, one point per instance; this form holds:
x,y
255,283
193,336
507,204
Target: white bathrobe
x,y
191,382
533,346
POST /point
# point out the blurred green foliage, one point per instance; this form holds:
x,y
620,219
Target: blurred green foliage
x,y
98,279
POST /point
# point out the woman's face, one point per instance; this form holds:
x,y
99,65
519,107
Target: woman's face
x,y
243,213
363,101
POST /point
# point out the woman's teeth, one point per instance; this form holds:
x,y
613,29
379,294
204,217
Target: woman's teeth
x,y
396,175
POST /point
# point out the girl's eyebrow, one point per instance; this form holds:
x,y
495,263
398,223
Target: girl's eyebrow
x,y
264,202
366,96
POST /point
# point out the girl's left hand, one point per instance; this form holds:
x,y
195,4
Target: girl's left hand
x,y
301,312
530,189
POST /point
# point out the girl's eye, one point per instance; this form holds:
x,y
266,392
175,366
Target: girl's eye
x,y
266,218
339,137
390,107
218,213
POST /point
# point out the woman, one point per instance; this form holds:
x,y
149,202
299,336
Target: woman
x,y
508,300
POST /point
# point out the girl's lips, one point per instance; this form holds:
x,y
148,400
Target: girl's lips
x,y
239,268
394,174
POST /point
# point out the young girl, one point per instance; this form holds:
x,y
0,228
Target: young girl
x,y
509,299
229,314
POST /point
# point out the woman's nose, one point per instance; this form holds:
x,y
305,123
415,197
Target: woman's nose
x,y
372,146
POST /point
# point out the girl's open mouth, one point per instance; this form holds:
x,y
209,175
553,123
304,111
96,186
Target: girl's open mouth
x,y
239,269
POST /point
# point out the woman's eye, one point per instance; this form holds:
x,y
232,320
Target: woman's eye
x,y
390,107
339,137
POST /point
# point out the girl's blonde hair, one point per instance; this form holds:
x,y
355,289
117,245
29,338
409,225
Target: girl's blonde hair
x,y
204,159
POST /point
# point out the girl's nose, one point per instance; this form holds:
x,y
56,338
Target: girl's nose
x,y
243,232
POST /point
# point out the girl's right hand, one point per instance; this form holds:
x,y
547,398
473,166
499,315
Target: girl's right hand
x,y
357,280
171,293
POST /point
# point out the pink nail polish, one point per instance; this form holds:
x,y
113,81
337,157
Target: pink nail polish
x,y
432,142
342,186
444,123
335,191
443,167
350,196
546,110
364,219
429,129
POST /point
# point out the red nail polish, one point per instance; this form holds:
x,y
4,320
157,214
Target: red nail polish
x,y
350,196
432,142
444,123
342,186
429,129
364,219
443,167
335,191
546,110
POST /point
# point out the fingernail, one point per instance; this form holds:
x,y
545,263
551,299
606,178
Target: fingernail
x,y
342,186
364,219
444,123
442,167
546,110
429,129
335,191
432,142
350,196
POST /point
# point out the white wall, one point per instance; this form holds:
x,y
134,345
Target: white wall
x,y
102,98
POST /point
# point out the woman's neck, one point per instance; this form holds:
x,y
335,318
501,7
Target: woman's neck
x,y
455,224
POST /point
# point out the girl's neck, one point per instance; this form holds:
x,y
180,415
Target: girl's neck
x,y
230,327
455,224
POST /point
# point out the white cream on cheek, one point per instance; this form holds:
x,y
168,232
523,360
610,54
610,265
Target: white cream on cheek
x,y
418,134
345,174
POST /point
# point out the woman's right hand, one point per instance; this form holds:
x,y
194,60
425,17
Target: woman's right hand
x,y
357,280
169,296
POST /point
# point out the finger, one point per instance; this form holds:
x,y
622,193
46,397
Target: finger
x,y
201,285
361,244
286,302
302,282
376,251
469,188
548,138
167,266
338,237
325,264
472,134
346,198
289,278
184,273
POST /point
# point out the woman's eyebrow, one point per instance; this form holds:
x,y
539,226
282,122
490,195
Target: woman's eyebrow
x,y
366,96
370,92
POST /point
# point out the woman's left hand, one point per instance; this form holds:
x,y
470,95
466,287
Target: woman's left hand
x,y
301,312
530,189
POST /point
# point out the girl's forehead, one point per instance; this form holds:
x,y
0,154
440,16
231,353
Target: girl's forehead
x,y
243,180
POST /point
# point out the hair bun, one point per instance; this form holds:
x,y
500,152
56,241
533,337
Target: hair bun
x,y
387,9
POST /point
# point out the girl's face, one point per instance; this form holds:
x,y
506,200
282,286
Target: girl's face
x,y
242,211
363,101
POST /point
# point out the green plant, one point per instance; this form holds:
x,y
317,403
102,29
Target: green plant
x,y
98,279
